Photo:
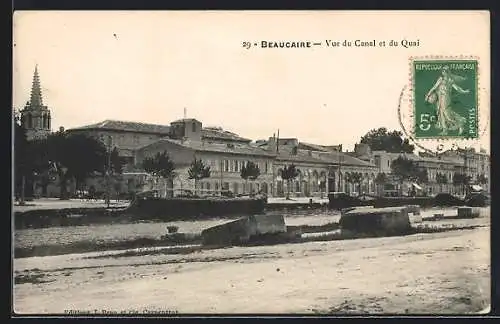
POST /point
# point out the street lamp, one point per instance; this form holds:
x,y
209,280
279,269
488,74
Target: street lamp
x,y
62,180
108,170
35,174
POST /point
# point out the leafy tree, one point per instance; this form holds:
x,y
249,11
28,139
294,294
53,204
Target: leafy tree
x,y
40,166
461,179
354,178
380,180
69,156
382,140
75,156
160,165
117,162
289,173
482,179
441,179
406,170
251,171
421,175
198,171
21,160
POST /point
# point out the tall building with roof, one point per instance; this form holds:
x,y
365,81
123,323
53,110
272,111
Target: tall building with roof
x,y
35,116
129,136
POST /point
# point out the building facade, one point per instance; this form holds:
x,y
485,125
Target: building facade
x,y
319,168
225,159
441,169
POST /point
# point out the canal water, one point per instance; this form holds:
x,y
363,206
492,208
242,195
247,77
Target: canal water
x,y
108,233
100,233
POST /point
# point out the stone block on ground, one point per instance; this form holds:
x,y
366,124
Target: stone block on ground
x,y
415,218
465,212
267,224
438,216
414,209
345,210
389,220
237,231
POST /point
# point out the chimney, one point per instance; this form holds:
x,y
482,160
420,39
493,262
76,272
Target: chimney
x,y
271,144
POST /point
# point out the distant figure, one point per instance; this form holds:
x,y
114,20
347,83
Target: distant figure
x,y
92,193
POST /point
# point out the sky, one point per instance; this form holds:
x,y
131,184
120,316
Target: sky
x,y
148,66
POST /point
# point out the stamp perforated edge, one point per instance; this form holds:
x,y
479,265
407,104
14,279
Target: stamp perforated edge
x,y
411,105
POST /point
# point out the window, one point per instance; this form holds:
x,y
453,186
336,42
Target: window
x,y
194,127
265,167
226,165
236,166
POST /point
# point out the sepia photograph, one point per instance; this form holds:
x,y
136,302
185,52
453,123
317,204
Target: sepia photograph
x,y
319,163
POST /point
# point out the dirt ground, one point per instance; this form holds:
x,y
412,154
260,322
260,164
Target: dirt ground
x,y
438,273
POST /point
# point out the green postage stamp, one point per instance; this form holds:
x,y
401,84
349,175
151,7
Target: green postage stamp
x,y
445,98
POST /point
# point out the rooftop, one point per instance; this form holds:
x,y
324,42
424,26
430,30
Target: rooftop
x,y
204,146
119,125
128,126
414,157
336,157
219,133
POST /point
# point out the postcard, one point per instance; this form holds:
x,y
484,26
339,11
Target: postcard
x,y
326,163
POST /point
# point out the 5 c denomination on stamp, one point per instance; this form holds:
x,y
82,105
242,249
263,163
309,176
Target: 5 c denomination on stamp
x,y
445,99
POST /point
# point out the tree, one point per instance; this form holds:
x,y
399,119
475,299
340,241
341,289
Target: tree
x,y
117,162
289,173
75,156
380,180
482,179
251,171
421,176
382,140
406,170
160,165
441,179
198,171
40,166
113,169
462,180
21,161
356,178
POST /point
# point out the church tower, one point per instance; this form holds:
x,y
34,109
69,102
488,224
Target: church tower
x,y
35,117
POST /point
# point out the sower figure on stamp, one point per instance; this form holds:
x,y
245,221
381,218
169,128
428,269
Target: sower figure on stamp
x,y
440,94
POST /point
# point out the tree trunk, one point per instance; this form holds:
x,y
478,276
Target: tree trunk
x,y
63,193
23,185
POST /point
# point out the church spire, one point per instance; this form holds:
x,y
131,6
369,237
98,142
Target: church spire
x,y
36,92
